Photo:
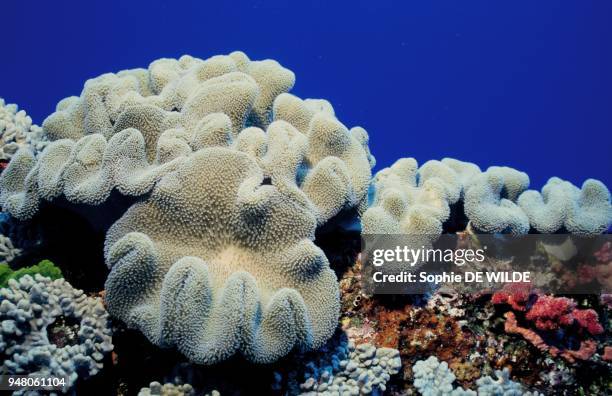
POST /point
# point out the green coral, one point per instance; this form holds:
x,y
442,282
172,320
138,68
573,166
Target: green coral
x,y
45,268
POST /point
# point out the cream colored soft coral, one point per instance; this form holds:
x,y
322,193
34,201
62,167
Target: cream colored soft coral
x,y
412,200
128,129
217,262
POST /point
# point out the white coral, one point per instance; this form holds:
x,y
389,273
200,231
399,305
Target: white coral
x,y
128,129
215,262
17,131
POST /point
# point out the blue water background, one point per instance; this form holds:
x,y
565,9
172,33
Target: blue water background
x,y
526,84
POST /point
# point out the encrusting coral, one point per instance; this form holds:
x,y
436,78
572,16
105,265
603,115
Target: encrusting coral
x,y
127,130
216,262
51,329
409,199
17,131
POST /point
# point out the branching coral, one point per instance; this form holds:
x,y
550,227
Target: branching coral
x,y
586,350
343,368
8,251
17,131
216,262
127,130
52,329
434,378
548,313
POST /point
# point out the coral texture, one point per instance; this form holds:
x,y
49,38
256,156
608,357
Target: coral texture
x,y
17,131
552,313
417,200
502,385
215,262
561,205
343,368
586,350
489,201
549,314
129,129
8,251
411,200
52,329
169,389
434,378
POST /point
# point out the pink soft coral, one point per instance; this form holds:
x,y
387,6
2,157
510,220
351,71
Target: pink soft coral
x,y
604,254
549,312
514,294
589,320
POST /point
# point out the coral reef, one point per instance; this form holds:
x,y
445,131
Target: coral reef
x,y
409,200
17,131
52,329
342,368
214,262
489,201
294,166
228,208
422,201
45,268
502,385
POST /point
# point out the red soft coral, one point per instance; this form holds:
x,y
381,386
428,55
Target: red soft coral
x,y
589,320
604,254
549,313
514,294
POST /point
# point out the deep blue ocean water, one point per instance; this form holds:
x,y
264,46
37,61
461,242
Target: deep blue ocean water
x,y
526,84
